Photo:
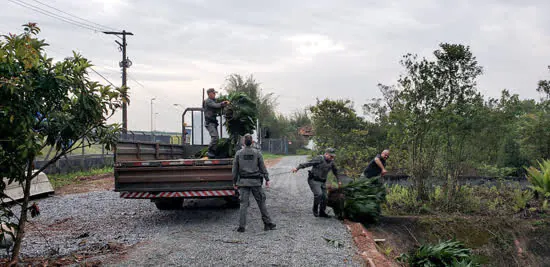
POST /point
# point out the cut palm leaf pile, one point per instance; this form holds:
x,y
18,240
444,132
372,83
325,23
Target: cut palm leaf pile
x,y
448,253
240,115
359,201
223,149
240,118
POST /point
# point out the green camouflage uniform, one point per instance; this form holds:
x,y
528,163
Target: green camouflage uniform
x,y
317,179
248,173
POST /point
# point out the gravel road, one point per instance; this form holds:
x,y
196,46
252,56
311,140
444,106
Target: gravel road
x,y
201,234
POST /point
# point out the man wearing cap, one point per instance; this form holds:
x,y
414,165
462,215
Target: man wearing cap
x,y
211,111
249,171
317,179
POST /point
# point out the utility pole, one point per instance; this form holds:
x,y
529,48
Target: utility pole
x,y
124,64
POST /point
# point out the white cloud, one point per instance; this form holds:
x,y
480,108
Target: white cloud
x,y
299,50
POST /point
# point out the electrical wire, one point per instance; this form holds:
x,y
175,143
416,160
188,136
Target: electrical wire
x,y
74,16
55,16
103,77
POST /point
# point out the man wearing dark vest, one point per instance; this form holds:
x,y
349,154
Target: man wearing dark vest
x,y
317,179
211,110
249,171
378,165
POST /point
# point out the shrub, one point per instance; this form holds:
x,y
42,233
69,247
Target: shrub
x,y
447,253
401,199
540,179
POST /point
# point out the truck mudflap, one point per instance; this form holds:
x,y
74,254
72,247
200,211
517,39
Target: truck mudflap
x,y
184,194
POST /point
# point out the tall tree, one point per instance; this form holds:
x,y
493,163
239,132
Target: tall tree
x,y
544,88
265,102
455,72
46,104
412,115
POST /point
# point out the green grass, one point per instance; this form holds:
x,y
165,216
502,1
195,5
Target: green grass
x,y
303,152
59,180
267,155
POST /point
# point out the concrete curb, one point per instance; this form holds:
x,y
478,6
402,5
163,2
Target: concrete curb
x,y
367,247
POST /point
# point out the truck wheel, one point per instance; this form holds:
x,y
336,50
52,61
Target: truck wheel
x,y
169,204
233,202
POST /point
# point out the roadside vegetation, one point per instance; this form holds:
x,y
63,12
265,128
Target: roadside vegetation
x,y
441,130
60,180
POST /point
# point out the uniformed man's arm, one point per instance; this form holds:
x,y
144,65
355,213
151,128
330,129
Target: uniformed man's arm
x,y
235,169
212,104
312,162
261,165
335,171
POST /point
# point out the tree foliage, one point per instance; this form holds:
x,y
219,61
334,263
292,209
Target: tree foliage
x,y
43,103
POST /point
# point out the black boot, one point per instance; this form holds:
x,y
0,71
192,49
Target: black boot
x,y
316,208
270,226
322,212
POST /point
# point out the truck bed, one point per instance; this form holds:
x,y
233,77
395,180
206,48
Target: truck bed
x,y
154,169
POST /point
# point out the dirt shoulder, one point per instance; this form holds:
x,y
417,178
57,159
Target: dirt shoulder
x,y
93,183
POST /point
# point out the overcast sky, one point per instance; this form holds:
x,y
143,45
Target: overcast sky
x,y
299,50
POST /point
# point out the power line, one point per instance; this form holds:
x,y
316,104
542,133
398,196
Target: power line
x,y
101,26
136,81
55,16
103,77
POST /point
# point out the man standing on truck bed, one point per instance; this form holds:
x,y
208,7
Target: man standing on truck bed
x,y
317,179
378,165
211,111
249,171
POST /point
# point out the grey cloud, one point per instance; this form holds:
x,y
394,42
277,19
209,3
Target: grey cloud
x,y
195,44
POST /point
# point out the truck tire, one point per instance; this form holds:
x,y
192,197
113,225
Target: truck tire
x,y
233,202
169,204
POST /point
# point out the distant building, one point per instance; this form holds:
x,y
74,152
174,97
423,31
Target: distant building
x,y
306,131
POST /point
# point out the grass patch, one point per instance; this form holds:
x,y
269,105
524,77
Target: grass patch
x,y
303,152
271,155
502,199
59,180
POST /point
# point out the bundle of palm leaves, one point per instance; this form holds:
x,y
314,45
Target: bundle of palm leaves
x,y
363,199
222,150
240,118
240,115
359,200
448,253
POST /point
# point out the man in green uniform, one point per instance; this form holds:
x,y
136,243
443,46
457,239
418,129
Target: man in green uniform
x,y
249,171
317,179
211,110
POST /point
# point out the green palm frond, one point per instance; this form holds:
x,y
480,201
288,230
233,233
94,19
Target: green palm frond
x,y
240,117
540,178
449,253
363,199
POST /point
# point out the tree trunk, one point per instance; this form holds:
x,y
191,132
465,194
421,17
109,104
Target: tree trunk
x,y
23,215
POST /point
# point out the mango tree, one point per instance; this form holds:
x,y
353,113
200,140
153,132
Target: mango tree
x,y
43,103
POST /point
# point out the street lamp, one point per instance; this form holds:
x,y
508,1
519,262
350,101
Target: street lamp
x,y
156,113
154,98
